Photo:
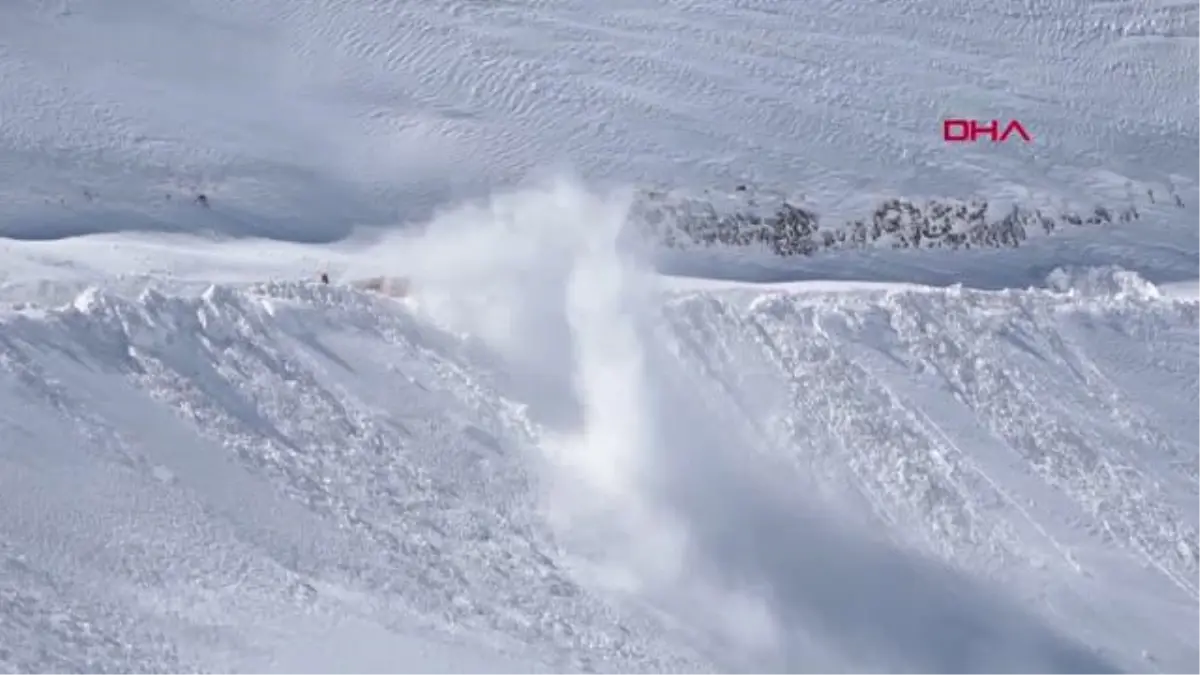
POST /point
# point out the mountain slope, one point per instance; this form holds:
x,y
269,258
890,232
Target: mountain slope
x,y
550,457
234,454
303,122
242,455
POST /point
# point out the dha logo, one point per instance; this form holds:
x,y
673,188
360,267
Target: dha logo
x,y
969,131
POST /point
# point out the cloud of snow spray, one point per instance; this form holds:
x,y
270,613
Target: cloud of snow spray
x,y
660,490
536,277
540,278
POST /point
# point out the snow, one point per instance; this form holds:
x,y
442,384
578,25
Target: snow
x,y
303,122
562,452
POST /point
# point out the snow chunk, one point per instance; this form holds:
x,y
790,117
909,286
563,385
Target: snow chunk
x,y
1102,281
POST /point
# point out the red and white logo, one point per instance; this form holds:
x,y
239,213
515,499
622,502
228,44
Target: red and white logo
x,y
969,131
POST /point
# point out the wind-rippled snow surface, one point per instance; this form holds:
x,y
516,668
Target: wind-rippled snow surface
x,y
301,121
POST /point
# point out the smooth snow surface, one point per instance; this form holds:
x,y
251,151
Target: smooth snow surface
x,y
552,456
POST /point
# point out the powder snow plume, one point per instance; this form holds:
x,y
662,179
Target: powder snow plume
x,y
650,475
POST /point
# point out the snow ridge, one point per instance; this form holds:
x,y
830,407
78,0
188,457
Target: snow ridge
x,y
410,454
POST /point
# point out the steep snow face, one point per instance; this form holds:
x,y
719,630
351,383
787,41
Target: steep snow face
x,y
208,480
549,459
302,121
990,427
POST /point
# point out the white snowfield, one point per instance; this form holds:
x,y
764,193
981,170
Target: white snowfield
x,y
303,120
548,455
565,463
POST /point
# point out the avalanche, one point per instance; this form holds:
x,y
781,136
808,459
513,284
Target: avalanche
x,y
246,464
559,445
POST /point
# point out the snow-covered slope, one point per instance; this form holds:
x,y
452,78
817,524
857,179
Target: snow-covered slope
x,y
208,479
303,120
568,463
550,457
